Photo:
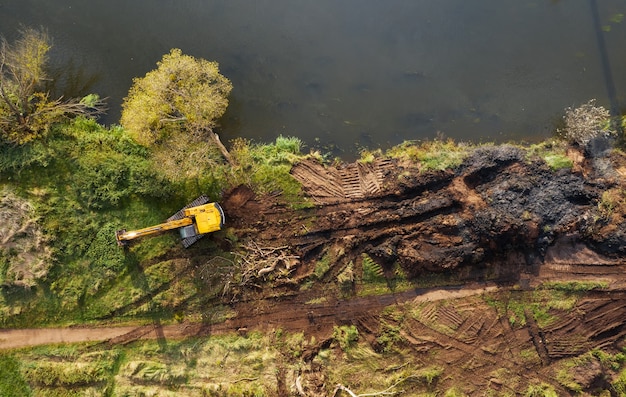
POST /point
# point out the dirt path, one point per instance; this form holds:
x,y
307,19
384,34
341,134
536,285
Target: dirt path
x,y
17,338
313,319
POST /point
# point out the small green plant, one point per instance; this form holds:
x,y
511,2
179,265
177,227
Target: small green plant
x,y
295,344
607,205
565,378
530,356
575,286
557,161
389,336
346,277
619,385
540,390
346,336
322,266
368,156
372,271
429,374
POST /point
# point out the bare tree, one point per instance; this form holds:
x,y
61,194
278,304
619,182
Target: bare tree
x,y
26,110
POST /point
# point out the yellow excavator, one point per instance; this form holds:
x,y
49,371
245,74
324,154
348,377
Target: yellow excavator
x,y
193,222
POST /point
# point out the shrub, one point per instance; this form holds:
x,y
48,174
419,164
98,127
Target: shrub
x,y
585,122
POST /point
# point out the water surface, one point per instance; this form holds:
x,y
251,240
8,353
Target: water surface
x,y
347,74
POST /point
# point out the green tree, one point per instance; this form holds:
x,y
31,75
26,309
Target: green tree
x,y
180,101
26,109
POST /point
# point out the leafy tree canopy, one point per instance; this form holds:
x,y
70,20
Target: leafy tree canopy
x,y
183,97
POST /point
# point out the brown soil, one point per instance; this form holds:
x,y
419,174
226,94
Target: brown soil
x,y
499,226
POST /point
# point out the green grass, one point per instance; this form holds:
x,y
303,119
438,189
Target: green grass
x,y
553,153
265,167
543,303
436,155
619,384
540,390
12,383
575,286
322,266
346,336
86,181
374,281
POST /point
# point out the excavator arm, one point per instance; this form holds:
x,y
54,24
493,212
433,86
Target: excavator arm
x,y
124,236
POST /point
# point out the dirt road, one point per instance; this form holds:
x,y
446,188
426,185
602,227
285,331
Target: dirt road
x,y
318,318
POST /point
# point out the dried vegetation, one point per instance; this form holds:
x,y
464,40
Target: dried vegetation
x,y
25,256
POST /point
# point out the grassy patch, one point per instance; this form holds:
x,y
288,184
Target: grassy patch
x,y
85,181
541,302
12,383
540,390
373,280
619,384
346,336
552,153
265,167
436,155
575,286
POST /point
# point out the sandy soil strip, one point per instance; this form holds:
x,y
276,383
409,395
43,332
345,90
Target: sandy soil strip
x,y
16,338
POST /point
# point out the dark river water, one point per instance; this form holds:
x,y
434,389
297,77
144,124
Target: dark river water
x,y
348,74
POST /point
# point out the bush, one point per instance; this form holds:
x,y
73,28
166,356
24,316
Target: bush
x,y
585,122
109,166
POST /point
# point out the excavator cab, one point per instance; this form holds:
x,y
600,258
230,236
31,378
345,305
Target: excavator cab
x,y
193,222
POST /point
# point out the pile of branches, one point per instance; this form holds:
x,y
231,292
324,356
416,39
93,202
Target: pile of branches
x,y
259,262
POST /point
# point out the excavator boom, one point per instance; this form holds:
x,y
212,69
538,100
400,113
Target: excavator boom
x,y
123,235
